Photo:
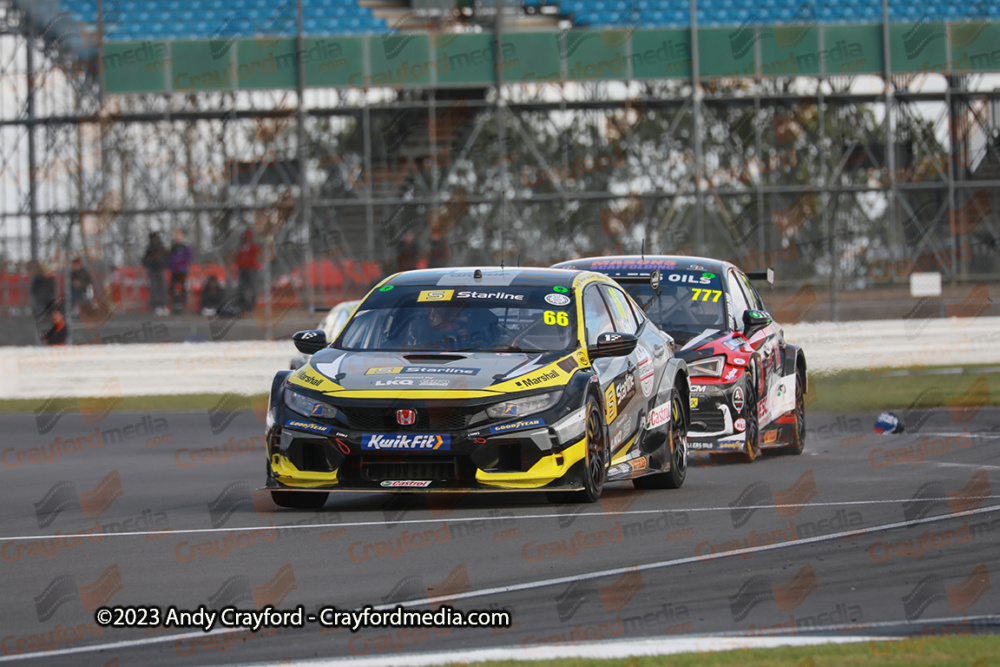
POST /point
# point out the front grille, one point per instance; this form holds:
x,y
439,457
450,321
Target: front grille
x,y
440,468
707,420
428,419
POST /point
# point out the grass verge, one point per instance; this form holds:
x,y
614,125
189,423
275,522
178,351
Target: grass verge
x,y
844,392
868,391
921,651
163,403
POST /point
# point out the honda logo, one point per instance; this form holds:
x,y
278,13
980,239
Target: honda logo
x,y
406,417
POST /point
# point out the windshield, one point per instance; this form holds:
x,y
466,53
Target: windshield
x,y
689,302
463,319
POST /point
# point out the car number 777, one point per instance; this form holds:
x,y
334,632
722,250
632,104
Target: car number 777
x,y
707,293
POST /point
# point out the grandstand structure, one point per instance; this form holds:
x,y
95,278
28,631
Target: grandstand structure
x,y
846,143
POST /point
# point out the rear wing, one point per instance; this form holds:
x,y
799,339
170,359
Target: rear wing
x,y
767,275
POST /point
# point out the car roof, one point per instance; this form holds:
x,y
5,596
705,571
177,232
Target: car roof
x,y
640,266
492,276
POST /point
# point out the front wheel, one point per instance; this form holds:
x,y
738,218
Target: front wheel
x,y
677,441
299,500
596,467
797,441
752,446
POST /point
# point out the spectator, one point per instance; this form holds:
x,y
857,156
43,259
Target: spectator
x,y
248,263
438,255
43,297
211,296
155,261
43,291
180,265
81,286
58,333
407,252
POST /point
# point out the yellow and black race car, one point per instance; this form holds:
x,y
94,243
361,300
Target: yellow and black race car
x,y
481,379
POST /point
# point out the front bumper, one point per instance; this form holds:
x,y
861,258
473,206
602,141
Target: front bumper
x,y
714,418
301,458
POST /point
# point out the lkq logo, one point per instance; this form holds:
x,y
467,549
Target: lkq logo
x,y
613,597
759,589
960,597
786,503
64,589
932,497
63,496
238,590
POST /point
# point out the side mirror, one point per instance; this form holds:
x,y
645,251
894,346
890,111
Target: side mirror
x,y
654,281
613,344
754,321
310,341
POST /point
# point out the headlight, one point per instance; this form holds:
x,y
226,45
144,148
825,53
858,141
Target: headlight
x,y
522,407
308,407
710,367
571,427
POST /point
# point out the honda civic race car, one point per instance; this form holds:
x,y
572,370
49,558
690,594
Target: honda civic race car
x,y
481,379
747,383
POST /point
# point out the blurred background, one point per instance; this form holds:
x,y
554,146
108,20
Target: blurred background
x,y
288,154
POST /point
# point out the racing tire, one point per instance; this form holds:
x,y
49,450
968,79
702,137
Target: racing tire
x,y
751,450
797,441
298,500
677,443
596,467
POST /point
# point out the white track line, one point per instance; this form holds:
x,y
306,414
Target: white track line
x,y
361,524
543,583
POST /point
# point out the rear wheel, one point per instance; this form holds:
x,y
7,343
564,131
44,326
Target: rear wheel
x,y
677,442
299,500
797,441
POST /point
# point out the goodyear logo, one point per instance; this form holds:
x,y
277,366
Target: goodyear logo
x,y
516,426
308,426
730,443
541,378
405,442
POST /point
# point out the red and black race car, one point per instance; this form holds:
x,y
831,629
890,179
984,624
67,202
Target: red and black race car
x,y
747,383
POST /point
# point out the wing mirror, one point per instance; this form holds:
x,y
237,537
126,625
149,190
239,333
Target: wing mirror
x,y
754,321
613,344
310,341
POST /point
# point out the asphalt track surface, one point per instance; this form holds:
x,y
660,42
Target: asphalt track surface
x,y
862,534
